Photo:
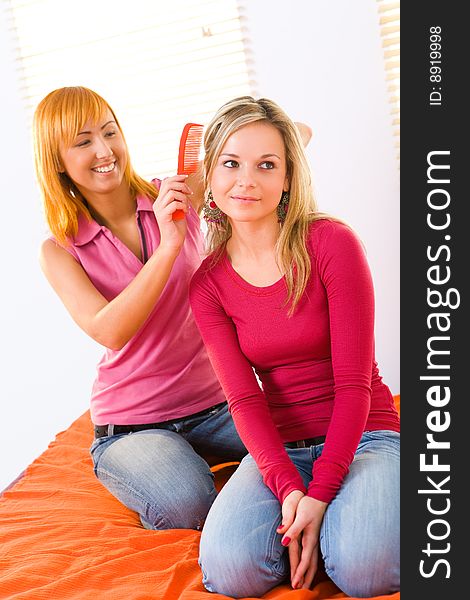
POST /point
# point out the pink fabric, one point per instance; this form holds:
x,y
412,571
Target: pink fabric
x,y
317,369
163,372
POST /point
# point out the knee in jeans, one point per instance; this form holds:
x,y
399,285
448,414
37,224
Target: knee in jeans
x,y
186,512
365,585
366,576
237,571
218,562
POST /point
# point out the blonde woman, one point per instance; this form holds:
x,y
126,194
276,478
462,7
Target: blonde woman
x,y
286,294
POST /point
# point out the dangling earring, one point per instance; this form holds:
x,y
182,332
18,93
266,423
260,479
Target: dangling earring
x,y
212,213
282,207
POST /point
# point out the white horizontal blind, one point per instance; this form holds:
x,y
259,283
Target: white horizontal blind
x,y
389,15
160,64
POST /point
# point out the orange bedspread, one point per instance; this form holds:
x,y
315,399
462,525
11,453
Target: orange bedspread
x,y
62,535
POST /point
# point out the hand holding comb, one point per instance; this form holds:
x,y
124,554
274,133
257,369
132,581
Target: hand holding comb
x,y
188,155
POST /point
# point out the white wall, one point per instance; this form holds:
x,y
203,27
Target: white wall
x,y
46,362
322,61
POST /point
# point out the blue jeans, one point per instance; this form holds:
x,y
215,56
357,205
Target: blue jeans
x,y
241,553
163,474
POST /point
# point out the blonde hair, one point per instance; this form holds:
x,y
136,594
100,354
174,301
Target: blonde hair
x,y
58,119
291,248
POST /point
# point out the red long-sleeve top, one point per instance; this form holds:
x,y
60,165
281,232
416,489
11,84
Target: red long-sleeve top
x,y
317,368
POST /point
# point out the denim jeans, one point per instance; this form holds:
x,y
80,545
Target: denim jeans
x,y
163,474
241,553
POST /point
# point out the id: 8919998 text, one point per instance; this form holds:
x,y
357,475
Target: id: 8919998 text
x,y
435,68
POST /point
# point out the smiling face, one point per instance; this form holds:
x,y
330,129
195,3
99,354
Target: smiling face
x,y
250,174
96,159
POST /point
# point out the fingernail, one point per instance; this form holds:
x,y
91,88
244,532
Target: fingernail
x,y
285,540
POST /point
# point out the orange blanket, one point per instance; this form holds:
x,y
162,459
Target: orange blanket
x,y
63,536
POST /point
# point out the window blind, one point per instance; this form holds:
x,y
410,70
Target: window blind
x,y
160,64
389,19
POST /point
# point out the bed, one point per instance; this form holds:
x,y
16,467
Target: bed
x,y
64,536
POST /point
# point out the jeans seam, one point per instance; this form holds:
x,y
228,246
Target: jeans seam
x,y
325,544
271,563
206,584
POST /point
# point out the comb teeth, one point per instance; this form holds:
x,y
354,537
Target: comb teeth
x,y
190,145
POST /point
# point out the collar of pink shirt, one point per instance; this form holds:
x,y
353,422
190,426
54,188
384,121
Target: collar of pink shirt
x,y
88,230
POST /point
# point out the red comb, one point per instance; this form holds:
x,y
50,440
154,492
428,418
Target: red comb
x,y
188,155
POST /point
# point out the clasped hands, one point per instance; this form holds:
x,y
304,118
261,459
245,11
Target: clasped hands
x,y
302,517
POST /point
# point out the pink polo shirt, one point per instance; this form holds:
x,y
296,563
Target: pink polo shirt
x,y
163,372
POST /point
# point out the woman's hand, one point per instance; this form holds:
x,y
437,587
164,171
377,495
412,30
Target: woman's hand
x,y
173,195
301,521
